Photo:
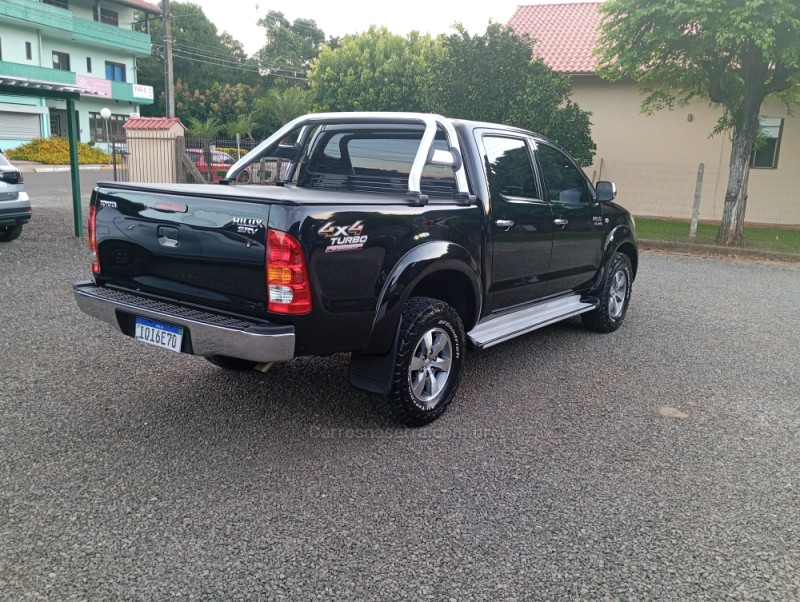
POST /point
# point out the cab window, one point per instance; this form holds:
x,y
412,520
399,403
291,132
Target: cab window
x,y
565,182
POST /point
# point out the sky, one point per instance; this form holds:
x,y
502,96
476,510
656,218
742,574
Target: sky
x,y
340,17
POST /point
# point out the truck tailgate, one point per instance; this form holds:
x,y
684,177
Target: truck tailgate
x,y
205,251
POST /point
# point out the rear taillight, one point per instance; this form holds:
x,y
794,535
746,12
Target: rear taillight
x,y
12,177
287,278
93,240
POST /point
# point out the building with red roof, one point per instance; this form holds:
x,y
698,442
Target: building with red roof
x,y
654,159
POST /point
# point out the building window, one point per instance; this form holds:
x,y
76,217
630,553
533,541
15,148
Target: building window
x,y
97,127
765,156
115,71
107,16
28,51
61,61
88,64
58,3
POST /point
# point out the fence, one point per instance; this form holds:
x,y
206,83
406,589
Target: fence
x,y
666,198
213,158
159,158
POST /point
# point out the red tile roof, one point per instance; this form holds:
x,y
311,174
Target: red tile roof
x,y
565,34
139,5
150,123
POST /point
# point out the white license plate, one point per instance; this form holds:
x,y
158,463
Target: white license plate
x,y
159,334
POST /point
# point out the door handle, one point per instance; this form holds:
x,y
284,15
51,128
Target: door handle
x,y
504,223
168,236
560,221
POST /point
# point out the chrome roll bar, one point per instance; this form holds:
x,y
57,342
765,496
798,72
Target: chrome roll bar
x,y
424,153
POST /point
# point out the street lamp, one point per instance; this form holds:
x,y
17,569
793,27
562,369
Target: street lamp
x,y
105,113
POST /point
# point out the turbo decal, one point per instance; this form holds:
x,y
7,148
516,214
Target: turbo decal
x,y
343,238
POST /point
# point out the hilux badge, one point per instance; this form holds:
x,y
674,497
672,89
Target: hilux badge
x,y
343,238
248,225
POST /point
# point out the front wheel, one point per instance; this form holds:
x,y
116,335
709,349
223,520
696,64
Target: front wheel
x,y
615,295
9,233
428,365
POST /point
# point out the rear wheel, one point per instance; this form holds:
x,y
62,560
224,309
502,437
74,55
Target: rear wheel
x,y
244,177
615,295
428,365
9,233
231,363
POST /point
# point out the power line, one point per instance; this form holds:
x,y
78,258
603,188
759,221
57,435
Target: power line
x,y
188,56
223,59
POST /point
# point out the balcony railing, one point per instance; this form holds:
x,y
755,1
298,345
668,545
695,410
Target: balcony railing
x,y
37,13
37,73
86,31
95,33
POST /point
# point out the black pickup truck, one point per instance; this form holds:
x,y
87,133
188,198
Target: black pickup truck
x,y
401,238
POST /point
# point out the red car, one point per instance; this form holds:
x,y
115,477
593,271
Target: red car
x,y
220,164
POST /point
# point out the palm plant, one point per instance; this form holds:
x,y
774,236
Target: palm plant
x,y
205,132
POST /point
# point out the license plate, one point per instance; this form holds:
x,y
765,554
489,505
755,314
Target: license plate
x,y
159,334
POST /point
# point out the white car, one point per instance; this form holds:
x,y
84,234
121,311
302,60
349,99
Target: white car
x,y
15,205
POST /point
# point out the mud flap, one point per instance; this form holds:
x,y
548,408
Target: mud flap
x,y
373,373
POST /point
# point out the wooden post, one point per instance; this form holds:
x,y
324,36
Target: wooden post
x,y
698,192
180,168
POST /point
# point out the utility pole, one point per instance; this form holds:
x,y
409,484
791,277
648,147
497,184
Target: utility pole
x,y
169,79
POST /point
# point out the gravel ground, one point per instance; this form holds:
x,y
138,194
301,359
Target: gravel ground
x,y
660,462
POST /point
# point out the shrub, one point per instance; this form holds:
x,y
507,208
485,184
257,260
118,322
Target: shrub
x,y
232,151
55,151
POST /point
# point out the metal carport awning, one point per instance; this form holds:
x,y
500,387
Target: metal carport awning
x,y
21,86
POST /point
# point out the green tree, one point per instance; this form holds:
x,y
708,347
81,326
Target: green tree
x,y
735,53
372,71
290,47
285,105
278,107
201,55
493,77
224,101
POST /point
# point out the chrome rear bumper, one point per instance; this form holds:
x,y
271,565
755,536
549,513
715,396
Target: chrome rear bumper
x,y
208,333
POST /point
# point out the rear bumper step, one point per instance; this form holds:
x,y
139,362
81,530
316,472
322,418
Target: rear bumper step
x,y
507,326
209,333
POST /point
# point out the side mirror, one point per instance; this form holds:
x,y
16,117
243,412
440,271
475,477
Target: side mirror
x,y
286,151
606,191
446,158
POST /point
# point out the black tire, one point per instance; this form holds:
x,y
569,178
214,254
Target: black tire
x,y
244,177
428,365
231,363
9,233
615,295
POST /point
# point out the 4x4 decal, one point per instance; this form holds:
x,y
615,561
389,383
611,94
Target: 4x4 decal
x,y
343,238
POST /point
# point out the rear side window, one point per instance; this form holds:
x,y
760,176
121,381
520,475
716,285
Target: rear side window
x,y
509,168
373,161
220,157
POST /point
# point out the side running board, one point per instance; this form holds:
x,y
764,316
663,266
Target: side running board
x,y
507,326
